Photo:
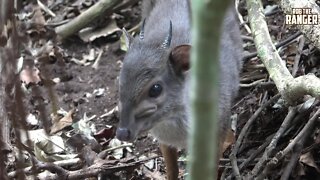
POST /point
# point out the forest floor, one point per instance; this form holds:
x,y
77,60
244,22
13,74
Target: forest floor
x,y
84,72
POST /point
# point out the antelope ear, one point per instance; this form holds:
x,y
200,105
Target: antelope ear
x,y
128,38
180,58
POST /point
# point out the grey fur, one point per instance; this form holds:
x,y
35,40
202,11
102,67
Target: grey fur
x,y
147,7
146,63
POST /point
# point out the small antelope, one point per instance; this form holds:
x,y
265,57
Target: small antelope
x,y
154,79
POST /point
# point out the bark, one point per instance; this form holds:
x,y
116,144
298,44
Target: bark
x,y
6,12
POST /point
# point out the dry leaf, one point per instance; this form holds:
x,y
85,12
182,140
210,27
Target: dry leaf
x,y
30,75
117,153
230,139
89,34
38,17
62,123
308,159
32,120
90,56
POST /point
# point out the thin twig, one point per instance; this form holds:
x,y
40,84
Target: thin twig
x,y
300,138
292,163
258,83
103,153
285,124
252,77
245,25
306,129
247,38
62,163
235,167
45,8
297,57
244,132
283,43
255,153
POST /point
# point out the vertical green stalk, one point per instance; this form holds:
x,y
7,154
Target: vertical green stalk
x,y
207,18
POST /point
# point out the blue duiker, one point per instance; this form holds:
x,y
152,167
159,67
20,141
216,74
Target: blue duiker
x,y
155,77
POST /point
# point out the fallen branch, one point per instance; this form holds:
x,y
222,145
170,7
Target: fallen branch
x,y
99,166
28,170
85,18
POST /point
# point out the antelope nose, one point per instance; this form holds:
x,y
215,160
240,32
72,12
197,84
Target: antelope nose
x,y
123,134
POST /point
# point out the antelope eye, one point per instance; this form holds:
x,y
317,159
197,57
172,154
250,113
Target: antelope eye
x,y
155,90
